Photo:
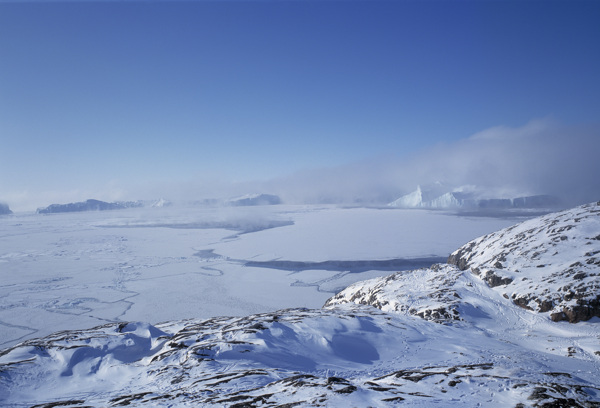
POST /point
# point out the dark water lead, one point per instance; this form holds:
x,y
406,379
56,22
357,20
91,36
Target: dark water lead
x,y
398,264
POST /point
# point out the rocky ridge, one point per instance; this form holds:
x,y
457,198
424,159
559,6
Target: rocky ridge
x,y
347,355
547,264
429,293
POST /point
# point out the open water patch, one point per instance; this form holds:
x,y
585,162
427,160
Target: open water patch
x,y
207,254
358,266
243,227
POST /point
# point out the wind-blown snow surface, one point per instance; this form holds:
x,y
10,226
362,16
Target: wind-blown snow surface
x,y
345,356
486,352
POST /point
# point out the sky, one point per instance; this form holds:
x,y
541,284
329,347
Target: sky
x,y
345,99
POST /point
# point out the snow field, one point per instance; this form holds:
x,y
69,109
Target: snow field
x,y
78,270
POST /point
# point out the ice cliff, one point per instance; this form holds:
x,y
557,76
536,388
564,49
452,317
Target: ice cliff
x,y
438,196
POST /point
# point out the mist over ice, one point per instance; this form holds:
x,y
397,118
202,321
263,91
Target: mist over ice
x,y
541,157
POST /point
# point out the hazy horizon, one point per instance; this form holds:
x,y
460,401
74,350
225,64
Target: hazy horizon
x,y
316,101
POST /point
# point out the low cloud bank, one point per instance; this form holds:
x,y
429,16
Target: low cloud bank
x,y
541,157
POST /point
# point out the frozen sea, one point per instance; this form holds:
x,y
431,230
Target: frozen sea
x,y
78,270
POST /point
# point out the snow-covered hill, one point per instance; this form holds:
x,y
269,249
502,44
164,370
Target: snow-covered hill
x,y
548,264
345,356
439,336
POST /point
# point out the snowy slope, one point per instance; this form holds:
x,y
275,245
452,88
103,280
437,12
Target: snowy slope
x,y
548,264
439,336
345,356
430,293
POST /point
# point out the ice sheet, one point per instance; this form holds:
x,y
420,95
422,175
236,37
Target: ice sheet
x,y
78,270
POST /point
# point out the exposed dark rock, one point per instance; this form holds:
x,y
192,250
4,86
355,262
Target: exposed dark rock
x,y
541,249
60,404
578,313
494,280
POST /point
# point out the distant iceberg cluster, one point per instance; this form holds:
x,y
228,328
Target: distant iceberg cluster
x,y
4,209
97,205
253,200
438,197
88,205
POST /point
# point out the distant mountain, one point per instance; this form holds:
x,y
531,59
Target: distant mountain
x,y
254,199
438,197
89,205
4,209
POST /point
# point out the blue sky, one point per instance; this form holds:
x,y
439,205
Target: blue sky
x,y
102,97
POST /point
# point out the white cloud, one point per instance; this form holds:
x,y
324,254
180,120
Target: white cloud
x,y
541,157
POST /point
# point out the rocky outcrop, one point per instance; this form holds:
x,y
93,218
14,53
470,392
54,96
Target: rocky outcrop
x,y
430,293
345,356
547,264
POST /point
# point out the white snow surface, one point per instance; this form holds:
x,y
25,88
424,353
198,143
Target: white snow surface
x,y
437,336
78,270
349,355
